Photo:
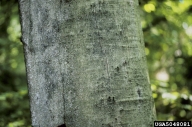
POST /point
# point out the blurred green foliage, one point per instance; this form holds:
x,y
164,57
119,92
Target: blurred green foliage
x,y
167,27
14,104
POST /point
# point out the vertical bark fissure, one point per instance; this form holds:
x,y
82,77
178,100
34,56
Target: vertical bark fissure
x,y
61,74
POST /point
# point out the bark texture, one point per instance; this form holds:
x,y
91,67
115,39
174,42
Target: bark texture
x,y
86,63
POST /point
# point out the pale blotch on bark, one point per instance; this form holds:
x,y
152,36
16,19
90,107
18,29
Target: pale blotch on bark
x,y
86,64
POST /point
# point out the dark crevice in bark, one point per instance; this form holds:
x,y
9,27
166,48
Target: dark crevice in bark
x,y
67,1
63,125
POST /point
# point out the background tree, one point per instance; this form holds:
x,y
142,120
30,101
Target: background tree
x,y
167,45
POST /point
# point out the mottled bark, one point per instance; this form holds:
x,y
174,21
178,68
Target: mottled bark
x,y
86,63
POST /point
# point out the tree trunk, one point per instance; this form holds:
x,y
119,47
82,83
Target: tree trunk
x,y
86,63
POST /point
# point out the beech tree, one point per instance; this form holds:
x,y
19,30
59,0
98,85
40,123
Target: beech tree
x,y
86,64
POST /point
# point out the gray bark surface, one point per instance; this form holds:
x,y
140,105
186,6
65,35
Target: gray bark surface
x,y
86,64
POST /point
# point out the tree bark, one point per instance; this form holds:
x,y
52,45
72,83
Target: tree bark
x,y
86,64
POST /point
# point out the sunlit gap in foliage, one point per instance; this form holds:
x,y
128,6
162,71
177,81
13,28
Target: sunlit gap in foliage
x,y
149,7
162,76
